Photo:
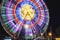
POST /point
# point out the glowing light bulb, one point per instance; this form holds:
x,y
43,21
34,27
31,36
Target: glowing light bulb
x,y
31,34
26,26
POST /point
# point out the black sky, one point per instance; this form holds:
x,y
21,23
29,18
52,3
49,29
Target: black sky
x,y
54,12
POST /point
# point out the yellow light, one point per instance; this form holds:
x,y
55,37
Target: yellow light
x,y
27,12
50,34
57,38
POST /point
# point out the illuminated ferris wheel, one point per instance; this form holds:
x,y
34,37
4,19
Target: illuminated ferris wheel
x,y
24,17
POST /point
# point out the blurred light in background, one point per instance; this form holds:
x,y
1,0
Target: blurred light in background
x,y
7,38
57,38
50,34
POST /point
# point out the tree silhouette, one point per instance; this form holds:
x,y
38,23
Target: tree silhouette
x,y
58,32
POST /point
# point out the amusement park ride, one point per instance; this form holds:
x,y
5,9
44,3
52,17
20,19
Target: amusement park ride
x,y
24,19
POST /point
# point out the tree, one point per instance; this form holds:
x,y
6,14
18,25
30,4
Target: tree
x,y
58,32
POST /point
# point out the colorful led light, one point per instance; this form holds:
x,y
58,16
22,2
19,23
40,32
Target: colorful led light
x,y
30,16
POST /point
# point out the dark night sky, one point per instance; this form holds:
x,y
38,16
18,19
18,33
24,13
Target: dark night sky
x,y
54,8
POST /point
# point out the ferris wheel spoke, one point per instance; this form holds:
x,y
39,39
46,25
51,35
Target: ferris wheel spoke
x,y
8,11
12,25
10,18
37,1
34,30
8,21
17,28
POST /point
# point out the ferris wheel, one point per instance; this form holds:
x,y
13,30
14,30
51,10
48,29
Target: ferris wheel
x,y
26,17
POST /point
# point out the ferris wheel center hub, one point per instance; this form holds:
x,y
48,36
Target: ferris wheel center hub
x,y
27,12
